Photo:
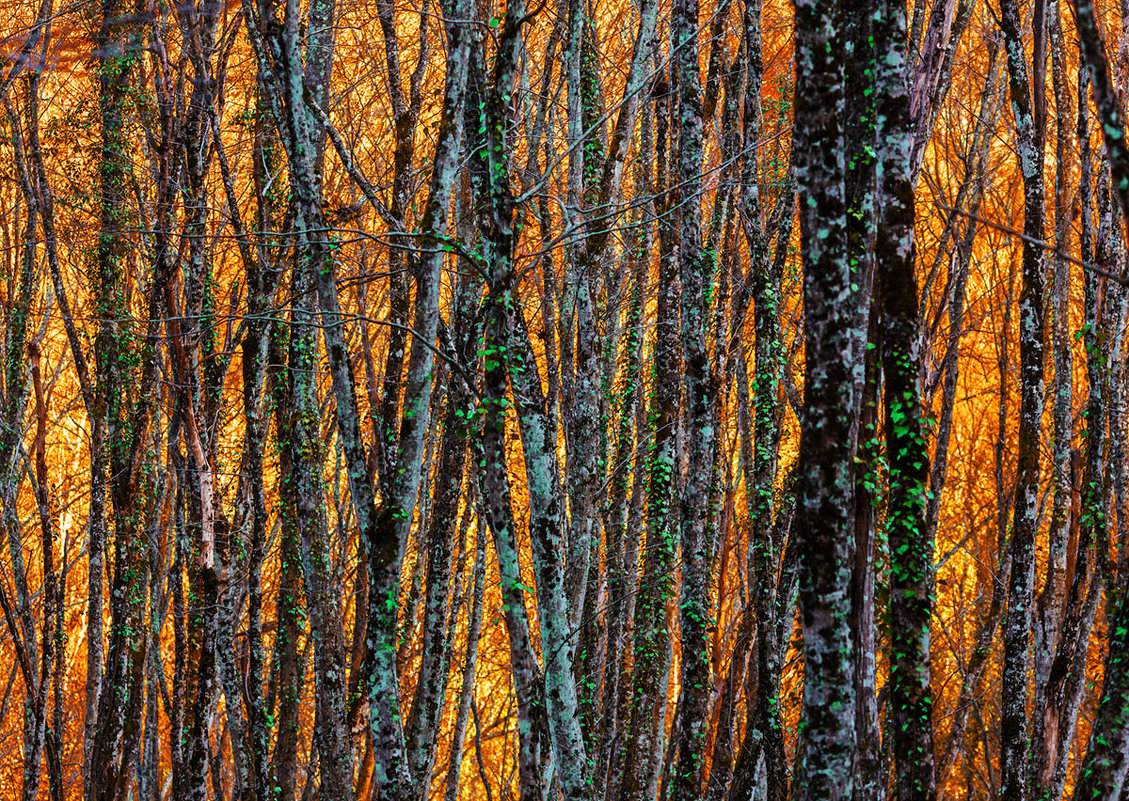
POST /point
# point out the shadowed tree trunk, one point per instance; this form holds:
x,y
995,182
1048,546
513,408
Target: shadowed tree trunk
x,y
696,537
1020,597
907,457
643,757
825,505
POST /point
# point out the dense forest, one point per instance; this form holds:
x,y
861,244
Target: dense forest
x,y
595,400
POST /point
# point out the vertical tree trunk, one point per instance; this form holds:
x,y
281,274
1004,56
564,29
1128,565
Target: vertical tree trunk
x,y
651,654
1052,599
907,455
17,307
1103,770
861,195
825,505
287,665
695,522
1020,599
477,581
112,751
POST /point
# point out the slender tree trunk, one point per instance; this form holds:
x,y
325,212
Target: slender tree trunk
x,y
907,455
651,656
470,665
697,538
1017,626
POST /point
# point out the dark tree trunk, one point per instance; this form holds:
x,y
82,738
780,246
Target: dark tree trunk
x,y
1015,687
907,455
825,504
695,527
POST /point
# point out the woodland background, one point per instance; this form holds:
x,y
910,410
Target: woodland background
x,y
584,399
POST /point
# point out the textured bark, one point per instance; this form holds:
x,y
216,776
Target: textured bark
x,y
191,345
1020,599
760,445
621,568
285,692
113,43
422,725
546,534
203,580
861,134
405,117
148,778
595,181
315,546
583,403
533,744
1105,99
53,643
825,506
651,656
554,297
870,783
907,455
427,706
508,357
1109,250
932,70
470,665
293,76
1050,605
696,536
127,416
319,573
1103,770
385,531
19,618
1066,674
263,280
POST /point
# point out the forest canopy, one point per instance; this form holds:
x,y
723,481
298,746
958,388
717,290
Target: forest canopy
x,y
595,400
